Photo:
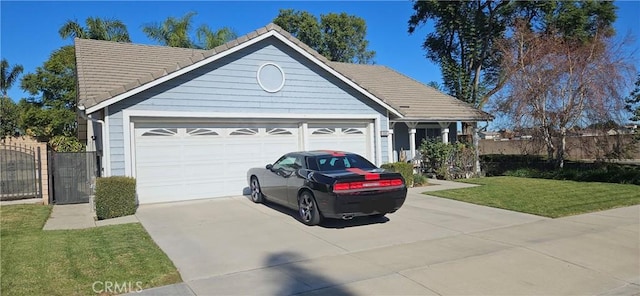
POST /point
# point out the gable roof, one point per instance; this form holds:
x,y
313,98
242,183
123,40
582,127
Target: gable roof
x,y
110,71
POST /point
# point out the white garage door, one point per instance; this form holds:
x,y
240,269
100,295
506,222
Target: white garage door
x,y
352,137
190,161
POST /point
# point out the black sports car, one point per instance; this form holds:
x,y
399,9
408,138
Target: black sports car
x,y
328,184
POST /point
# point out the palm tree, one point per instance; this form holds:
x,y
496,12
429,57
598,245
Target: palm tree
x,y
172,32
8,76
8,118
210,39
97,29
175,32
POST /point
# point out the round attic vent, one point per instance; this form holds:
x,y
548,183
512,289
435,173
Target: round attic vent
x,y
270,77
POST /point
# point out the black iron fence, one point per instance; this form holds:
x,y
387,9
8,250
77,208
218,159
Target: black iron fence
x,y
73,176
20,172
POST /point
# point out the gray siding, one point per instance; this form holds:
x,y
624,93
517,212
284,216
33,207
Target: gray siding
x,y
230,85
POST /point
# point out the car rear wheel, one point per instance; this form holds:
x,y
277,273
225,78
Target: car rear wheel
x,y
308,209
256,192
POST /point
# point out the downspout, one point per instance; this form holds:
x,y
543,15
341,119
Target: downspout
x,y
103,129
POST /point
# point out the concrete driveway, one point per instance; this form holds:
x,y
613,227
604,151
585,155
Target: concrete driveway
x,y
431,246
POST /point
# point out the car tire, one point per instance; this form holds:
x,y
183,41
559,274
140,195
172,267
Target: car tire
x,y
256,192
308,209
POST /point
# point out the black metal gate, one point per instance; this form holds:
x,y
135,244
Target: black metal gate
x,y
73,176
20,174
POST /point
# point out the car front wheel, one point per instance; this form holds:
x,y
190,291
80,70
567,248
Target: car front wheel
x,y
256,192
308,209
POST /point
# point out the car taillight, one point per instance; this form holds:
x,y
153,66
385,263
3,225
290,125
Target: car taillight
x,y
366,185
341,186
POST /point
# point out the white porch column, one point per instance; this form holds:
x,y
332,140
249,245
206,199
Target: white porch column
x,y
412,138
444,131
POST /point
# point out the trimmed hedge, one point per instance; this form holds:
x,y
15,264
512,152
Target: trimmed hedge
x,y
115,197
404,168
528,166
419,180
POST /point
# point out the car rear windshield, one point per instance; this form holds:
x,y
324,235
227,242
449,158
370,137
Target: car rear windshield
x,y
341,162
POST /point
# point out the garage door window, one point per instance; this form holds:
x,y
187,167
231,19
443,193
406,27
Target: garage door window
x,y
278,131
352,131
245,132
161,132
201,132
324,131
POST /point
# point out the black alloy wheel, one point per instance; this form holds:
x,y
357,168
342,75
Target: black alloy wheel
x,y
308,209
256,193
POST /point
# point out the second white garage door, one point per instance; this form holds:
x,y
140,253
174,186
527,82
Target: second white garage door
x,y
353,137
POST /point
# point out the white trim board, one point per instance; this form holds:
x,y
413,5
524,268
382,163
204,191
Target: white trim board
x,y
129,134
106,143
218,56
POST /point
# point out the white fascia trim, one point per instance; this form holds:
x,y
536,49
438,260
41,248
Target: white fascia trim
x,y
129,128
235,49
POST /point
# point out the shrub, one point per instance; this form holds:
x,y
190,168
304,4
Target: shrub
x,y
66,144
404,168
447,161
115,197
419,180
523,173
576,171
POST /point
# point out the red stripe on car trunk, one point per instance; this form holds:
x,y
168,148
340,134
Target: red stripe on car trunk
x,y
333,152
367,175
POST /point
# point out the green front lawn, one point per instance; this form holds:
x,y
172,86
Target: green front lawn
x,y
550,198
76,262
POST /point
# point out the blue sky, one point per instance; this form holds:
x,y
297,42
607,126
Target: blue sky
x,y
29,30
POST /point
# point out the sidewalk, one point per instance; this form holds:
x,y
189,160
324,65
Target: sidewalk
x,y
80,216
435,185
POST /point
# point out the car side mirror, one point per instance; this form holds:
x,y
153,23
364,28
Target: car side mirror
x,y
269,167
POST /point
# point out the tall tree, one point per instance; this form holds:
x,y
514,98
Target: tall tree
x,y
8,111
9,75
172,32
176,32
462,43
465,34
338,37
210,39
633,102
556,83
96,28
9,118
435,85
50,111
